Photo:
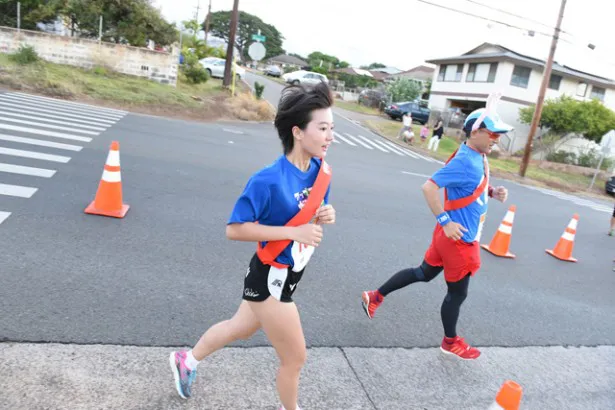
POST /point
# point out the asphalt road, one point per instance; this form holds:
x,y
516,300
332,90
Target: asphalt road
x,y
163,274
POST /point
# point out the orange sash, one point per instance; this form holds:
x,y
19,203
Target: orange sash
x,y
272,249
453,204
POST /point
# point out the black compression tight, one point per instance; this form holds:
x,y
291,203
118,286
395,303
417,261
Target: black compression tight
x,y
457,292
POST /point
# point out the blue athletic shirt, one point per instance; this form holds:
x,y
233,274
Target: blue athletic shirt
x,y
273,196
461,176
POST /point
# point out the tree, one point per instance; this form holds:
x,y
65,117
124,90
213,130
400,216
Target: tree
x,y
590,119
127,21
373,66
403,89
220,24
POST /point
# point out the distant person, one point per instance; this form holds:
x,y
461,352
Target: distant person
x,y
295,185
407,124
612,230
424,132
438,130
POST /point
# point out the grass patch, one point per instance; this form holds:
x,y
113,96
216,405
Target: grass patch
x,y
504,167
353,106
106,87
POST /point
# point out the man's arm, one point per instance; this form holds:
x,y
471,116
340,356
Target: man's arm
x,y
452,230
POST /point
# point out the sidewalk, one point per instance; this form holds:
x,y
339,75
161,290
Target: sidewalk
x,y
56,376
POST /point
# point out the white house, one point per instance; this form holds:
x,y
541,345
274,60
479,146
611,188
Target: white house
x,y
462,83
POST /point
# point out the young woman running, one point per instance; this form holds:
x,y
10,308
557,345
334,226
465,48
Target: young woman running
x,y
281,208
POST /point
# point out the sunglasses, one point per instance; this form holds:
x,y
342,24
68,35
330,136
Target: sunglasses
x,y
492,135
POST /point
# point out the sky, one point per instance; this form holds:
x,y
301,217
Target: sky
x,y
403,34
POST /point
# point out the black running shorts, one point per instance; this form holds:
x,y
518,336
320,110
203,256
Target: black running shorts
x,y
262,281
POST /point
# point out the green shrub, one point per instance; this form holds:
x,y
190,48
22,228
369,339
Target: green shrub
x,y
25,55
258,90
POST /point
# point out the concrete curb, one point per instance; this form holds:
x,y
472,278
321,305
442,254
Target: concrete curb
x,y
63,376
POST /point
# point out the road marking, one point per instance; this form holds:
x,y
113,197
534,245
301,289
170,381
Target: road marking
x,y
337,135
372,143
72,117
336,141
47,133
33,154
19,100
16,190
387,147
41,143
428,159
396,147
415,174
3,216
232,131
40,97
18,169
53,127
358,140
89,127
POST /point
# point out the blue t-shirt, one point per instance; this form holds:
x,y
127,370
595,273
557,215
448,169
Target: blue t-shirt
x,y
273,196
461,176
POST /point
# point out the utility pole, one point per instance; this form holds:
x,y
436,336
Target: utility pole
x,y
198,7
207,22
231,45
541,95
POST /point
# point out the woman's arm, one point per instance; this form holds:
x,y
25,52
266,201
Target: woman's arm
x,y
253,232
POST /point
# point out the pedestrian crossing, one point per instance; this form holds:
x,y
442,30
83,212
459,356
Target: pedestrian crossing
x,y
378,145
43,130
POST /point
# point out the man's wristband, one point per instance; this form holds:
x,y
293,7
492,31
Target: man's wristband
x,y
490,192
443,218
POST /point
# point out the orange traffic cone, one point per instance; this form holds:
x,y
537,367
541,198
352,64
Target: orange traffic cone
x,y
508,398
108,201
501,241
563,248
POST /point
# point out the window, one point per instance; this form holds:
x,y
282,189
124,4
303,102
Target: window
x,y
581,89
521,76
451,72
482,73
597,93
555,81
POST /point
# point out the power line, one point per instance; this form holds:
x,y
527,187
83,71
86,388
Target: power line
x,y
485,18
516,15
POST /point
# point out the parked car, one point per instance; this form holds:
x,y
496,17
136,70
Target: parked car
x,y
273,71
609,186
304,77
215,67
397,110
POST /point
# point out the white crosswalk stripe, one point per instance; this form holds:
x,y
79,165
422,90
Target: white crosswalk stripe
x,y
337,135
372,143
387,147
358,140
29,128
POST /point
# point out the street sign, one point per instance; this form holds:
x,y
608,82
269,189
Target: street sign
x,y
258,37
257,51
608,140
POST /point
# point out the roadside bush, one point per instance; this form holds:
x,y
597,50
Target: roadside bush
x,y
258,90
591,159
25,55
193,70
562,157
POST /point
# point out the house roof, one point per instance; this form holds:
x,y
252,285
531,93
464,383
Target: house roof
x,y
354,71
420,69
476,55
286,59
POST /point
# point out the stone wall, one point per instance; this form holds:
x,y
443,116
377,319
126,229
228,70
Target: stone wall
x,y
86,53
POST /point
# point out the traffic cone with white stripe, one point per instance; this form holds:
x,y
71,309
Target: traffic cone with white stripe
x,y
563,248
108,200
500,243
508,398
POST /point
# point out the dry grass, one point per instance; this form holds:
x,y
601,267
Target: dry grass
x,y
247,108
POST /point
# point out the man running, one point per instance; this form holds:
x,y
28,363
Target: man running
x,y
455,242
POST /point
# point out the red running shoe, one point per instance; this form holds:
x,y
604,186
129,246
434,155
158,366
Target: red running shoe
x,y
371,300
457,346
